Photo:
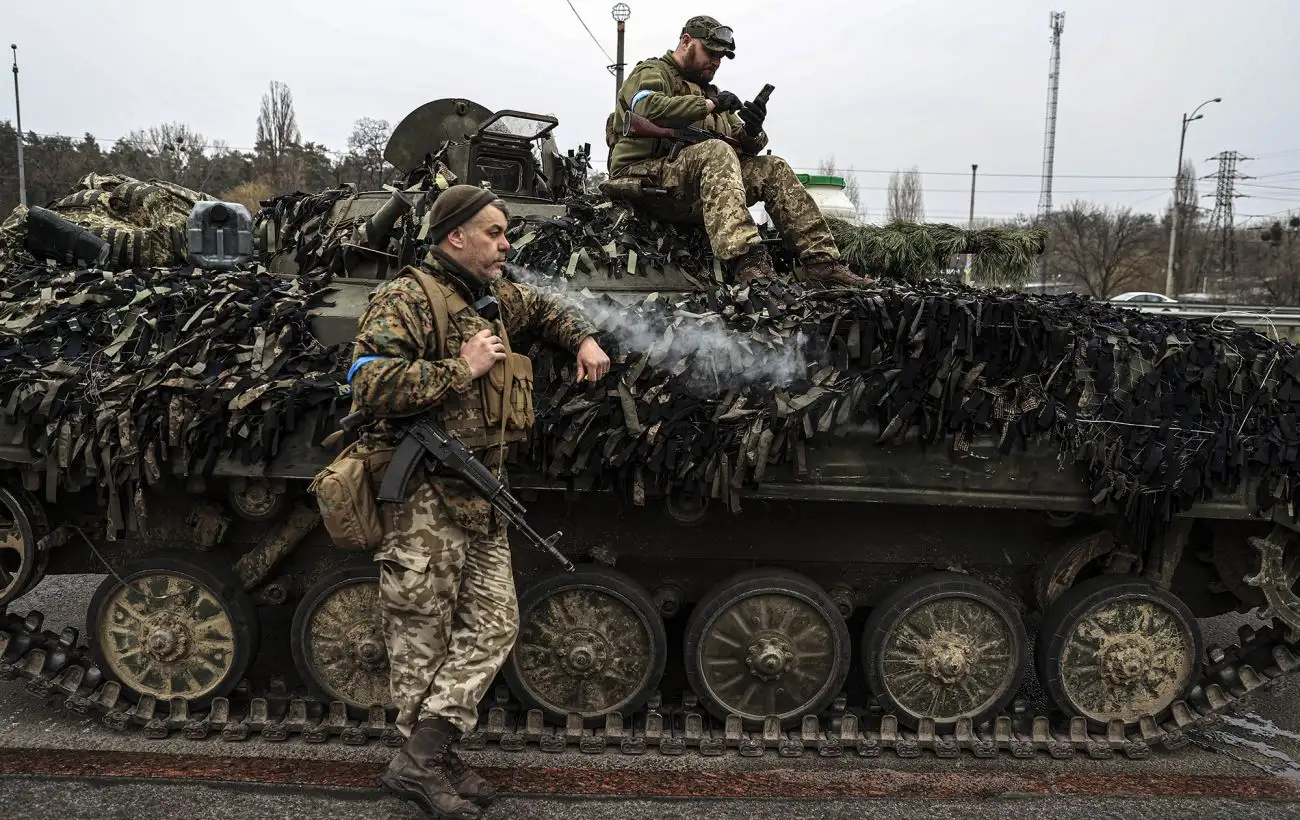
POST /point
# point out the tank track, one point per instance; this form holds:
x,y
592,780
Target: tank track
x,y
56,667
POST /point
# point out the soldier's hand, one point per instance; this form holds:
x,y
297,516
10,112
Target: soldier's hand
x,y
593,362
726,101
753,115
482,351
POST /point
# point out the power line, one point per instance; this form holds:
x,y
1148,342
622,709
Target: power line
x,y
1268,187
966,173
1287,153
589,34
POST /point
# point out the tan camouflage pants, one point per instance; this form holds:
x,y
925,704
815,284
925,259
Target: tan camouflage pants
x,y
717,186
447,597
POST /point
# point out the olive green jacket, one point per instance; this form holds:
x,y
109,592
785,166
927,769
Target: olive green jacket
x,y
661,94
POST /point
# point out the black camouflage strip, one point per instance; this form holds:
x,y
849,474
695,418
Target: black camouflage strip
x,y
108,373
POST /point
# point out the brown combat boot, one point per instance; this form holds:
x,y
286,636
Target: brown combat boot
x,y
833,272
469,784
755,263
418,773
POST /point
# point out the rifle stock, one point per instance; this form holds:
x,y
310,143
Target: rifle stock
x,y
638,125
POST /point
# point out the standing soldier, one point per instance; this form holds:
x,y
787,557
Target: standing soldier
x,y
711,180
446,589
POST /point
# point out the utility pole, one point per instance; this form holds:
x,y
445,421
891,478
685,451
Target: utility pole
x,y
1057,25
18,111
1178,178
970,226
620,13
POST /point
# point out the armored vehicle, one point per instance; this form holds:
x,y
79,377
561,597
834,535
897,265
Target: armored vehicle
x,y
805,520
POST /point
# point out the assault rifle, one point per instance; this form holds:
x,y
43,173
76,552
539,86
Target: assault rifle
x,y
639,126
425,439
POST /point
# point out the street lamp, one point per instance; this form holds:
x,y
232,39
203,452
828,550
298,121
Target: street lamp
x,y
18,110
1173,218
620,13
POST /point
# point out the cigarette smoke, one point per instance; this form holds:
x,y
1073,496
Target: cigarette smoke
x,y
707,356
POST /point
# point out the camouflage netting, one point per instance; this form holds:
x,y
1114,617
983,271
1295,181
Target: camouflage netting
x,y
117,378
143,222
298,225
598,234
1158,412
113,378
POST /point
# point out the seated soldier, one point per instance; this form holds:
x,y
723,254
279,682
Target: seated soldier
x,y
711,180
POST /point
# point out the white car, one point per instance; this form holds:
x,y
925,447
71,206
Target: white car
x,y
1142,296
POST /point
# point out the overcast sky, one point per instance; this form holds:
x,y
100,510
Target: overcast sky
x,y
879,84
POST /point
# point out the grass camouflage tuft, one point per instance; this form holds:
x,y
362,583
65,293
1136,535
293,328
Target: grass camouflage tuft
x,y
914,252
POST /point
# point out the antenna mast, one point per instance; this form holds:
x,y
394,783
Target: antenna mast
x,y
1057,24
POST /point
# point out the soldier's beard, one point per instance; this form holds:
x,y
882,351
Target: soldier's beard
x,y
699,75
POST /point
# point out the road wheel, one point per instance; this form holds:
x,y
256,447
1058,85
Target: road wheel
x,y
591,642
945,646
337,640
766,642
177,624
1118,648
21,526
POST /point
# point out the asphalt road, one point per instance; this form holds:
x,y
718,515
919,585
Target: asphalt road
x,y
1254,753
43,799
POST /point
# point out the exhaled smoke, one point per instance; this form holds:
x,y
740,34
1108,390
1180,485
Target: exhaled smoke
x,y
699,348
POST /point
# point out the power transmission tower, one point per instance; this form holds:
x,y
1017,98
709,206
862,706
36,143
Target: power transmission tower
x,y
1057,25
1221,233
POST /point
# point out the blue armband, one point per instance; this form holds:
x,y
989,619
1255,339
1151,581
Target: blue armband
x,y
638,97
352,371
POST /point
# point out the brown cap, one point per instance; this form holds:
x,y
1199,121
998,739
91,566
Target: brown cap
x,y
456,206
714,35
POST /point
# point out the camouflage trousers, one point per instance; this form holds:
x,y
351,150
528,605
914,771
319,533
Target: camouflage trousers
x,y
450,615
711,183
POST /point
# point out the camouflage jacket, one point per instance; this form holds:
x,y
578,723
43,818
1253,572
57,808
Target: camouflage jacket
x,y
657,90
395,372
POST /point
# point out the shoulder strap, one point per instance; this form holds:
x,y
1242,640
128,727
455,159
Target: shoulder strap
x,y
437,305
675,79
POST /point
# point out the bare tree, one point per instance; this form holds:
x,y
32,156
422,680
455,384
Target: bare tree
x,y
1108,250
277,132
906,200
827,167
366,151
1270,262
171,151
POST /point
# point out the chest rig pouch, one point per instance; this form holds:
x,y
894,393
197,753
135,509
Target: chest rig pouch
x,y
500,410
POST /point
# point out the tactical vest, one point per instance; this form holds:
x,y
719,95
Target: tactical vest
x,y
614,123
498,408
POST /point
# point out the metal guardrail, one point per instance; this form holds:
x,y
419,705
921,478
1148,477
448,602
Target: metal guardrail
x,y
1280,320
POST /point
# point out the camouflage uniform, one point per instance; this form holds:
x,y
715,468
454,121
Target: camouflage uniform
x,y
447,594
709,181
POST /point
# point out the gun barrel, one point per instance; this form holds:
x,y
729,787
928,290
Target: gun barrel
x,y
380,225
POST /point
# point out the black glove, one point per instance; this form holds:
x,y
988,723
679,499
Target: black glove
x,y
725,101
753,114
